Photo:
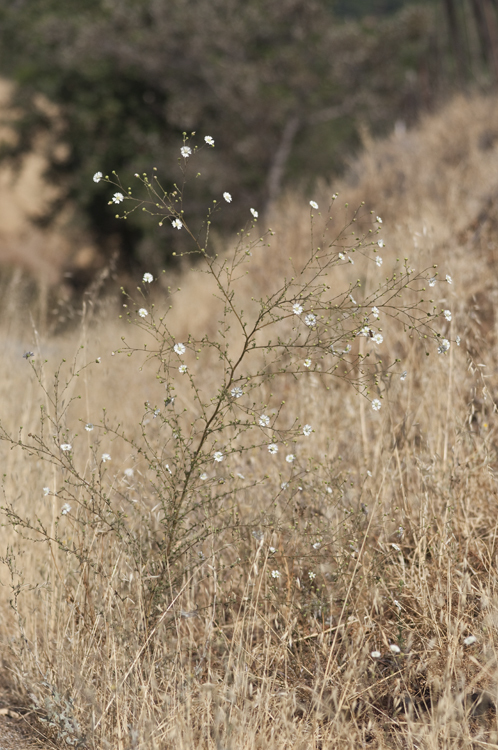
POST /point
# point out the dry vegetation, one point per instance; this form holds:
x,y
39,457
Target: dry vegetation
x,y
386,534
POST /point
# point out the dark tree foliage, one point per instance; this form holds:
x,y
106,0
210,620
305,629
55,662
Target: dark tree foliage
x,y
281,85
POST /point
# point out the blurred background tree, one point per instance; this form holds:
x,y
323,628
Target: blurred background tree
x,y
285,87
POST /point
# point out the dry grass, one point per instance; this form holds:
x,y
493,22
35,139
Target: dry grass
x,y
393,514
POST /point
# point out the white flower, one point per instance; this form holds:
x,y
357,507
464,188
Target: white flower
x,y
381,243
397,604
469,640
264,421
311,575
307,363
284,485
449,279
378,338
403,375
353,299
310,320
314,205
378,260
290,458
396,547
240,476
341,256
143,312
118,198
227,197
182,369
307,430
432,282
128,473
443,346
376,404
66,447
179,348
209,140
375,654
296,308
186,151
271,550
395,649
89,427
97,176
447,314
66,508
458,340
105,457
350,260
218,456
275,574
378,219
254,213
375,311
329,490
365,331
46,491
203,476
237,392
177,224
148,278
273,448
347,349
317,545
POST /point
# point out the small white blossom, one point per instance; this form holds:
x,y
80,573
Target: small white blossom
x,y
143,312
375,311
66,447
284,485
447,314
182,369
97,176
177,224
341,256
317,545
469,640
350,260
254,212
66,508
378,261
89,427
396,547
353,299
179,348
240,476
237,392
118,198
314,205
46,491
458,340
443,346
307,430
264,420
297,308
347,349
148,278
273,448
275,574
310,320
271,550
376,404
290,458
128,473
203,476
369,474
105,457
395,649
186,151
449,279
218,456
227,197
378,219
397,604
209,140
329,490
378,338
381,243
432,281
311,575
375,654
307,363
365,331
403,375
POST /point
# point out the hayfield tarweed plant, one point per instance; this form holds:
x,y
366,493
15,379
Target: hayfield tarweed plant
x,y
220,463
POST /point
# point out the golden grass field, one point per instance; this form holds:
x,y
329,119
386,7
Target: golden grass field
x,y
241,614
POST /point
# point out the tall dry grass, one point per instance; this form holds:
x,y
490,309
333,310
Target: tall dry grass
x,y
356,607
